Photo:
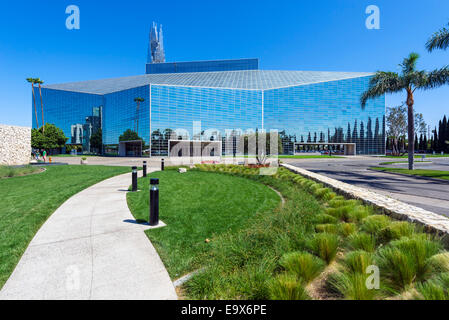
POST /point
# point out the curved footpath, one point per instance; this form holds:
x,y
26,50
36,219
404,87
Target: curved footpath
x,y
90,249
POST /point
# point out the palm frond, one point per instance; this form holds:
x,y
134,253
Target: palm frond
x,y
383,82
418,79
439,40
436,78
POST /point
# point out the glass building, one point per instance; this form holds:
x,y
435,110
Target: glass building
x,y
216,101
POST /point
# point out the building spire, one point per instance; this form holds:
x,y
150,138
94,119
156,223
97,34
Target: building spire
x,y
156,53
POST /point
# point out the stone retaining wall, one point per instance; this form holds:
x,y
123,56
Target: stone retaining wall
x,y
432,222
15,145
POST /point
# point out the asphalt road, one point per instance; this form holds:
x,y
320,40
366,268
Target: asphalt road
x,y
427,194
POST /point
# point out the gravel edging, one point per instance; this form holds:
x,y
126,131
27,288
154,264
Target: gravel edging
x,y
431,222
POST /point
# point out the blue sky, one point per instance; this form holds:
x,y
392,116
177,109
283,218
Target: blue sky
x,y
286,35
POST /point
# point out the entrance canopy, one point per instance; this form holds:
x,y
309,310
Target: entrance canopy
x,y
130,148
348,149
194,148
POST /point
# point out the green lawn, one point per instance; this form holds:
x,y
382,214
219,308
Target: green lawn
x,y
399,162
28,201
418,156
308,157
197,206
419,172
9,172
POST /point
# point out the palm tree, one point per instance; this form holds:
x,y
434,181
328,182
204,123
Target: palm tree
x,y
138,100
409,80
40,83
439,40
33,81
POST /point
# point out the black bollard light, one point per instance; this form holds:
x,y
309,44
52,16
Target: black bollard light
x,y
163,165
144,169
154,202
134,179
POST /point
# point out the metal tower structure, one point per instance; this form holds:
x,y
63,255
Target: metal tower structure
x,y
156,53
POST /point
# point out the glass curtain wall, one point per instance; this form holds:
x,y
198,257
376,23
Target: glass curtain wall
x,y
327,112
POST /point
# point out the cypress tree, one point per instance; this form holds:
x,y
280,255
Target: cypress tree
x,y
416,142
446,137
362,138
435,140
377,143
348,134
355,138
442,134
369,136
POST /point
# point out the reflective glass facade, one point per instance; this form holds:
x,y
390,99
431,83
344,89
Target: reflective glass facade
x,y
327,112
316,107
78,115
122,114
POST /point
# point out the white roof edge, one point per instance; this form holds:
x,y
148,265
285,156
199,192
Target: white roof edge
x,y
350,75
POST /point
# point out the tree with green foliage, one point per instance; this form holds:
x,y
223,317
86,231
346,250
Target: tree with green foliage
x,y
441,136
409,81
129,135
420,124
53,138
96,141
397,126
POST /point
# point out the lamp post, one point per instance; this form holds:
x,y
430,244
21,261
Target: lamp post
x,y
134,179
144,169
163,165
154,202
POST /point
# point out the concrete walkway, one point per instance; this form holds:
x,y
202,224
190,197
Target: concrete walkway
x,y
90,249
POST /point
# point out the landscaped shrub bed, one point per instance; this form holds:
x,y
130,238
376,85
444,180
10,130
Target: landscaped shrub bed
x,y
320,246
9,172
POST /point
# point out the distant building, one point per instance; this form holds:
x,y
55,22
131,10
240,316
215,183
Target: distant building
x,y
82,133
76,134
